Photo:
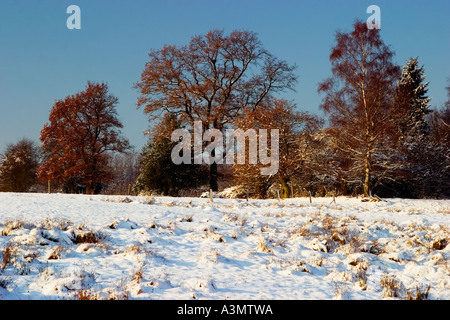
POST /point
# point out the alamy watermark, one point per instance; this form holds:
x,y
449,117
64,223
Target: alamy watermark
x,y
235,143
215,151
74,20
374,21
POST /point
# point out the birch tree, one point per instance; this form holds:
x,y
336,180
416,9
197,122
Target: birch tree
x,y
359,102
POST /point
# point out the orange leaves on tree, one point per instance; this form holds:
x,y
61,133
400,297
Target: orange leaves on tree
x,y
83,130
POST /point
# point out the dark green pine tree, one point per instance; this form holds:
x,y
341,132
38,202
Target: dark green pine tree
x,y
158,173
412,102
412,110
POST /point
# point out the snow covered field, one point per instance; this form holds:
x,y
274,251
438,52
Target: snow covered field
x,y
115,247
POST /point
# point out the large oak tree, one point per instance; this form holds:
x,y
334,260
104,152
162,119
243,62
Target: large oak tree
x,y
83,131
212,79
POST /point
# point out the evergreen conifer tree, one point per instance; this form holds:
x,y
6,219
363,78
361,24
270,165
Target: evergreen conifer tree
x,y
412,102
412,107
158,172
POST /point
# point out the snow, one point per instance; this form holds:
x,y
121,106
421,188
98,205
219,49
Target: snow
x,y
58,246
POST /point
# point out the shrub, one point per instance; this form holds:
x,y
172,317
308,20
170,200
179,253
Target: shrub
x,y
55,254
6,256
81,235
5,282
392,287
419,294
86,295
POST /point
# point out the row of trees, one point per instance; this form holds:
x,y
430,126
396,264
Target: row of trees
x,y
21,162
379,135
79,148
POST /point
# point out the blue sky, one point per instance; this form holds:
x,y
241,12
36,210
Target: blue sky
x,y
42,61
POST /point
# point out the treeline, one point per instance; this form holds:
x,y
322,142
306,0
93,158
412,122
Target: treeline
x,y
379,135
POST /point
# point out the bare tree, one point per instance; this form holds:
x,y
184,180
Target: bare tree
x,y
359,102
125,170
212,79
295,146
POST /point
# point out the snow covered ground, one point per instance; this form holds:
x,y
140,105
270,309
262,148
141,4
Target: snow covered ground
x,y
115,247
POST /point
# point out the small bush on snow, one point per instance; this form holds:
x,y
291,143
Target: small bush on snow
x,y
419,293
10,226
86,295
55,253
5,282
83,235
6,256
392,287
262,247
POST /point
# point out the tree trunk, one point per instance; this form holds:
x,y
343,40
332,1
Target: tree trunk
x,y
284,192
213,185
89,188
367,175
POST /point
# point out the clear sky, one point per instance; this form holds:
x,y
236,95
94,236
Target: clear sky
x,y
42,61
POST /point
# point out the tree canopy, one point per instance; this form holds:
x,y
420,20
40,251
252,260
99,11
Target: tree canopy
x,y
83,130
213,79
359,101
18,166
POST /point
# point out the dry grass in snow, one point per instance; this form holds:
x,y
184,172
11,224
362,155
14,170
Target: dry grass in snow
x,y
110,247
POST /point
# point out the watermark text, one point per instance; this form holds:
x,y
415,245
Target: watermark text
x,y
216,151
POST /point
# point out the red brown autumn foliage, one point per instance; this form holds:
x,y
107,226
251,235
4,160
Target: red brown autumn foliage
x,y
83,130
295,129
359,101
212,79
